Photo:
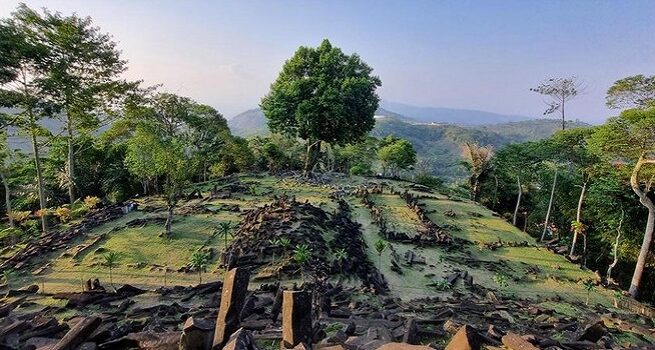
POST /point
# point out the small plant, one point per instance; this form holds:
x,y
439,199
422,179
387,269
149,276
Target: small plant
x,y
301,255
41,213
275,243
341,255
91,201
501,280
111,261
285,243
199,261
380,246
225,231
63,214
589,286
442,285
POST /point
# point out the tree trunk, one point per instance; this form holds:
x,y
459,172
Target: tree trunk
x,y
311,157
39,181
550,205
169,220
616,247
493,204
578,216
648,234
563,117
7,199
71,162
518,200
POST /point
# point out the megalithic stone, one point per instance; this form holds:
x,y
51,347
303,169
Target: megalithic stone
x,y
296,319
78,334
235,288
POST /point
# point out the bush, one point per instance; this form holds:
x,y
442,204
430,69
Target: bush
x,y
429,181
10,236
79,212
63,214
19,216
91,201
360,169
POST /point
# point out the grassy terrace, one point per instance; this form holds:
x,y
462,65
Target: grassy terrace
x,y
529,271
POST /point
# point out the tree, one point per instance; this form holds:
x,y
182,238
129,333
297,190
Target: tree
x,y
199,261
560,91
637,91
225,230
301,254
550,203
80,75
630,139
396,154
21,88
111,261
380,246
478,161
322,95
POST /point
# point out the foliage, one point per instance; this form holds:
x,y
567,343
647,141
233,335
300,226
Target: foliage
x,y
637,91
91,201
322,95
396,154
63,213
501,280
442,285
111,260
199,261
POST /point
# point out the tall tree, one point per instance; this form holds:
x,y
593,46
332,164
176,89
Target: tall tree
x,y
478,161
20,88
322,95
637,91
630,139
559,91
80,76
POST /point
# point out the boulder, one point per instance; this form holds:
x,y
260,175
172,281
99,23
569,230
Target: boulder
x,y
515,342
241,340
593,332
466,338
197,334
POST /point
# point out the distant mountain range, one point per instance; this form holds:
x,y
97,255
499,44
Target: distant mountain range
x,y
436,133
450,115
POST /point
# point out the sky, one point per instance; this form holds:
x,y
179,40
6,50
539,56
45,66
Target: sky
x,y
483,55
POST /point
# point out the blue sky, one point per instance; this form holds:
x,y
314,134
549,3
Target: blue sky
x,y
460,54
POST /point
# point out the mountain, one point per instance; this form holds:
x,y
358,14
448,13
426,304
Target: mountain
x,y
451,115
249,123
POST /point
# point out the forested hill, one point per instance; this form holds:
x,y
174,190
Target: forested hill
x,y
437,145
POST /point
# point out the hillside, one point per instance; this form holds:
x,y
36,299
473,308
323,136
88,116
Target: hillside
x,y
436,144
447,262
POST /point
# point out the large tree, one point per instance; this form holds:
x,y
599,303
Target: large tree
x,y
322,95
478,161
637,91
630,139
21,89
559,91
396,154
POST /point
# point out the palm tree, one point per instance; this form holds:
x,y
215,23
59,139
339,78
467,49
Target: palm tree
x,y
301,255
478,161
380,246
111,261
341,255
199,261
225,230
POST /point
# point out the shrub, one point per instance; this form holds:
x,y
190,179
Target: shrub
x,y
19,216
429,181
63,214
91,201
10,236
360,169
41,213
79,212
